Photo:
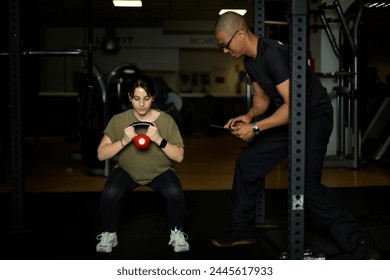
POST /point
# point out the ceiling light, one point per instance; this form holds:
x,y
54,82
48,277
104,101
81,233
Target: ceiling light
x,y
127,3
238,11
377,4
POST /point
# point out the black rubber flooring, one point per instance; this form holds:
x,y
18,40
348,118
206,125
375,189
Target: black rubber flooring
x,y
64,226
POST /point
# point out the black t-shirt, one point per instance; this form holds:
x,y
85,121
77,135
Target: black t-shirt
x,y
272,67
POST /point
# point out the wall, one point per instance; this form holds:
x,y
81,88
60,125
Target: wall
x,y
223,71
155,53
57,73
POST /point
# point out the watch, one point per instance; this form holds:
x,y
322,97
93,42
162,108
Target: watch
x,y
163,143
256,130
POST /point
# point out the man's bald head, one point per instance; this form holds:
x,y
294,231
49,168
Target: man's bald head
x,y
229,23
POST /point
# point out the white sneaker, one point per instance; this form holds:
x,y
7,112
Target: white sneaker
x,y
108,240
178,241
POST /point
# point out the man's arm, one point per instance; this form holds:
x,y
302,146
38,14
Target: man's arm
x,y
260,104
260,101
281,115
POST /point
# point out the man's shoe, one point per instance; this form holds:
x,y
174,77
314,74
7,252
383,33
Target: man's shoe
x,y
234,238
178,241
366,250
108,240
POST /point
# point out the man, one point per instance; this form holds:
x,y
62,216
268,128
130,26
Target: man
x,y
267,63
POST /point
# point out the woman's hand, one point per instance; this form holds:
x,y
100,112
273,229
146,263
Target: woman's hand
x,y
153,134
128,135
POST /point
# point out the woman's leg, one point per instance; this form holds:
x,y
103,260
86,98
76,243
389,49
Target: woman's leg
x,y
117,184
170,187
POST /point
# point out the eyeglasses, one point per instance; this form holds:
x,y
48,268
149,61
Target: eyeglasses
x,y
223,46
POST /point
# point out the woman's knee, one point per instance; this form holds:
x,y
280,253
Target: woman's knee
x,y
111,193
175,194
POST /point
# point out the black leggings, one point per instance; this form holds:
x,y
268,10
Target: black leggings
x,y
119,183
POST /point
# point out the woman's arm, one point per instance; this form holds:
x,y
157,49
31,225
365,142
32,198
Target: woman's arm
x,y
107,149
172,151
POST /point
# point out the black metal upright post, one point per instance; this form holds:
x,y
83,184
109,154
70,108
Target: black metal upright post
x,y
16,54
16,114
259,23
259,17
296,188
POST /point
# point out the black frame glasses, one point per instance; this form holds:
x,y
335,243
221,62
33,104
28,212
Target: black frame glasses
x,y
223,46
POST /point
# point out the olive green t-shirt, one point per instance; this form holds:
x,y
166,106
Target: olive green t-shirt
x,y
144,165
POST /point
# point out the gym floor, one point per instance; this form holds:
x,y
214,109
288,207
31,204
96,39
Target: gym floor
x,y
61,217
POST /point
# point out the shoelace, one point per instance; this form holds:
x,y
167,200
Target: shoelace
x,y
103,237
179,237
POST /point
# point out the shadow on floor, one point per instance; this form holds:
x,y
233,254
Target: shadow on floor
x,y
64,226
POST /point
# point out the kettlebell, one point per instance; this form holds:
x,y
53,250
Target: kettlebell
x,y
141,141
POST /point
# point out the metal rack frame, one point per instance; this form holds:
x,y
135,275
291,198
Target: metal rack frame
x,y
296,188
16,72
297,117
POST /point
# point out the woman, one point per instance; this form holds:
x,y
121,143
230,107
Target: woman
x,y
136,167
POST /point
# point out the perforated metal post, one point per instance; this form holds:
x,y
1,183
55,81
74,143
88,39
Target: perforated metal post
x,y
16,115
260,198
260,204
15,57
296,188
259,17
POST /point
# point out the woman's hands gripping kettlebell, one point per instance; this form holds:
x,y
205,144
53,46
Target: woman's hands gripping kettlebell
x,y
142,141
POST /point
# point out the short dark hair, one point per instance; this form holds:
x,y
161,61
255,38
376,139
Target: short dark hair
x,y
229,22
144,82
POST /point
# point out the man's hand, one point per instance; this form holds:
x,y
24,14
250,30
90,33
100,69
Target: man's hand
x,y
243,131
238,120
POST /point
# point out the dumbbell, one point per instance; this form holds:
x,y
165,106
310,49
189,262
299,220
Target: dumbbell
x,y
141,141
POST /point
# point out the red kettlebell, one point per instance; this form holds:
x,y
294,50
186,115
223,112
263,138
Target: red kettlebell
x,y
141,141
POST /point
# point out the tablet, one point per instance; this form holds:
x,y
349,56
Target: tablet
x,y
221,127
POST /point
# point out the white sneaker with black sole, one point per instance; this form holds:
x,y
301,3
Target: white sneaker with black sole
x,y
108,240
178,241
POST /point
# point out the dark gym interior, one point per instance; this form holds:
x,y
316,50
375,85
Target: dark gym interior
x,y
50,184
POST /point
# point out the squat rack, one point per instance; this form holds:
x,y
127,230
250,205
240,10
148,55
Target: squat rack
x,y
298,15
15,57
297,135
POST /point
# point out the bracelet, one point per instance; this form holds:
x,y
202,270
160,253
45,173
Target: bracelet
x,y
122,143
163,143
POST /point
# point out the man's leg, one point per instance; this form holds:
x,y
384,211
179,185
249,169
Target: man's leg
x,y
261,155
323,201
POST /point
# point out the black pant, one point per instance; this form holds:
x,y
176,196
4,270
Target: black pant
x,y
119,182
265,152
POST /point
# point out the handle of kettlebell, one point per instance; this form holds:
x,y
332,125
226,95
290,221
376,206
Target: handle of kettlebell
x,y
137,124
